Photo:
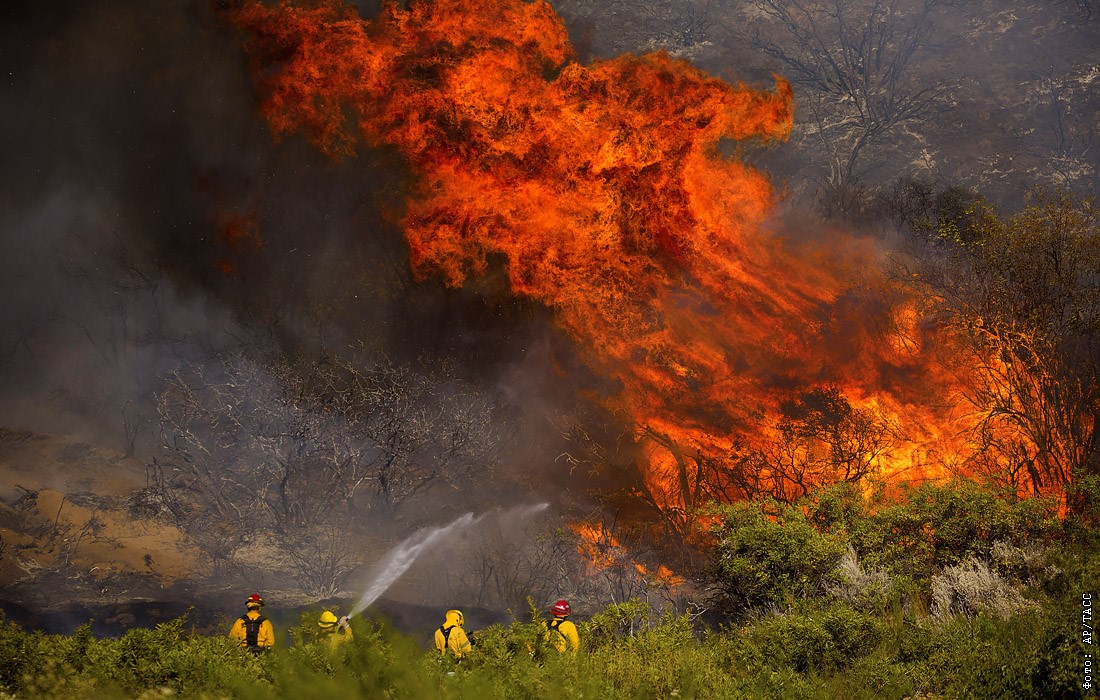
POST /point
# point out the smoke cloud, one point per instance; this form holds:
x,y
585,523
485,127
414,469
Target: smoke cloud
x,y
149,219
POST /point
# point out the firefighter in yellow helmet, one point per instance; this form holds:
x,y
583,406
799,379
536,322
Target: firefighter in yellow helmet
x,y
253,630
334,631
450,637
561,634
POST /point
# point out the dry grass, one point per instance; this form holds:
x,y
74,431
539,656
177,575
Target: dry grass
x,y
972,587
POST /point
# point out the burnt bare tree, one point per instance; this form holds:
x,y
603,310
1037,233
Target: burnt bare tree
x,y
508,563
852,63
817,438
1066,126
613,571
305,450
1022,297
104,307
939,216
823,439
592,562
620,458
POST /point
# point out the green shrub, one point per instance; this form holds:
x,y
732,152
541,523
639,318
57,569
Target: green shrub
x,y
939,526
1083,499
19,654
769,554
835,508
817,638
882,643
618,621
818,649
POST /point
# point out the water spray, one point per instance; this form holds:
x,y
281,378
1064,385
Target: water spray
x,y
398,560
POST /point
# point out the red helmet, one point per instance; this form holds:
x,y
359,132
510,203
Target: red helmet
x,y
561,608
254,599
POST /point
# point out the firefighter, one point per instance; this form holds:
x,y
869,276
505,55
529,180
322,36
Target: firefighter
x,y
253,629
561,634
334,632
451,637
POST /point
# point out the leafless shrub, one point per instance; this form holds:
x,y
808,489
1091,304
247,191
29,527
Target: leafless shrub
x,y
822,439
848,202
505,564
972,587
1019,296
321,558
302,451
852,59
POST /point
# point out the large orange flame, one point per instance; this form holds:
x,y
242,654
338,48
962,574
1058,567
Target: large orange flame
x,y
604,190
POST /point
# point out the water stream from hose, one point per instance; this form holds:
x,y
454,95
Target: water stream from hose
x,y
398,560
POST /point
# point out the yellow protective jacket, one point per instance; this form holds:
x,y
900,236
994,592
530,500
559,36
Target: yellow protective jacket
x,y
562,635
451,637
265,638
335,636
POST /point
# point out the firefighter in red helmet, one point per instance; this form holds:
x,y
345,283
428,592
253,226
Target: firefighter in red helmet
x,y
253,630
561,634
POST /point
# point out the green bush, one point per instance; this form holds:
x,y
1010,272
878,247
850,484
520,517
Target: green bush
x,y
79,665
1083,498
817,638
835,508
770,554
618,621
19,653
938,526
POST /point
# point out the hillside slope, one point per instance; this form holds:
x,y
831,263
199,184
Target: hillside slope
x,y
72,516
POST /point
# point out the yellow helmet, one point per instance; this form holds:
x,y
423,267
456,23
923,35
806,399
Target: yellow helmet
x,y
327,619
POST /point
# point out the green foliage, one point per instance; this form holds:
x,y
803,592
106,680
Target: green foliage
x,y
769,556
834,508
70,666
818,646
617,621
819,638
939,526
1083,498
816,650
766,555
932,526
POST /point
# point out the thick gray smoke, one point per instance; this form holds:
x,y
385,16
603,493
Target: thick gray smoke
x,y
149,220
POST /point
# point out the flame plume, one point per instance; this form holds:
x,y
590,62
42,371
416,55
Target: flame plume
x,y
603,189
